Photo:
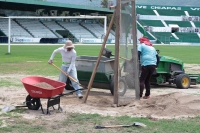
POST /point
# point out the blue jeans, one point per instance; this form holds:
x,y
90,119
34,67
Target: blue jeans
x,y
73,74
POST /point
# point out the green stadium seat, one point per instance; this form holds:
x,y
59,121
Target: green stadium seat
x,y
194,13
197,24
145,11
171,12
154,23
179,23
188,37
164,37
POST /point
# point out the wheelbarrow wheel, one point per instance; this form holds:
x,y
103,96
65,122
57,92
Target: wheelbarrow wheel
x,y
122,86
33,103
129,80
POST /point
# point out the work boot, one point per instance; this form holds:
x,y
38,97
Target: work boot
x,y
146,97
80,96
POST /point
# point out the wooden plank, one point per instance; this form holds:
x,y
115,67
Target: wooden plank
x,y
117,44
135,52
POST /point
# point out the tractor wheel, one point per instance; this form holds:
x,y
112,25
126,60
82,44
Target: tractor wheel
x,y
33,103
129,80
69,85
122,87
183,81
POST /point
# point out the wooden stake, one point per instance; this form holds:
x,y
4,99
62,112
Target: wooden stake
x,y
99,57
135,53
117,43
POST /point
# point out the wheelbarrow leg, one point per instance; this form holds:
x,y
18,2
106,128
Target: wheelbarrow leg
x,y
59,108
52,102
41,107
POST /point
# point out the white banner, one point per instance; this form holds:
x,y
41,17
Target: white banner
x,y
83,40
161,29
62,40
23,39
190,18
96,40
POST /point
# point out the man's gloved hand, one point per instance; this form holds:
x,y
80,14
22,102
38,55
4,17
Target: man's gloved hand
x,y
50,61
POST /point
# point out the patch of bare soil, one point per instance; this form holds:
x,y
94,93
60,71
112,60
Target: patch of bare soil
x,y
166,101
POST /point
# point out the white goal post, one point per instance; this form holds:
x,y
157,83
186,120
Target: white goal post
x,y
52,17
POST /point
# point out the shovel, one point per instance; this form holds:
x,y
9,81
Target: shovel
x,y
9,108
67,75
136,124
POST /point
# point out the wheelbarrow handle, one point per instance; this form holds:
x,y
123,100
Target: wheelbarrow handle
x,y
65,74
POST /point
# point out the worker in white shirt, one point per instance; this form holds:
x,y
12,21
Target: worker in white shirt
x,y
68,64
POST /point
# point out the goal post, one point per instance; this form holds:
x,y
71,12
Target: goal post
x,y
52,17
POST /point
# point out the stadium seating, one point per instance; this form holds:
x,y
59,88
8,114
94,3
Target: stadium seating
x,y
171,12
145,12
154,23
169,2
77,30
179,23
164,37
193,13
16,29
197,24
97,29
166,19
149,13
53,26
36,28
41,28
188,37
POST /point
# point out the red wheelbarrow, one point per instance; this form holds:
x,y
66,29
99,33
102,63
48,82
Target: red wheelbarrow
x,y
52,92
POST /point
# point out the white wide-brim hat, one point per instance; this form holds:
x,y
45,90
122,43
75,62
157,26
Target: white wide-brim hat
x,y
69,44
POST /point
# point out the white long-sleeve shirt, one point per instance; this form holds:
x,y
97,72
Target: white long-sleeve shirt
x,y
68,57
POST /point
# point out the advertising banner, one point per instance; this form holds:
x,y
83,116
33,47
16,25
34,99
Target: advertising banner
x,y
25,40
157,7
62,40
83,40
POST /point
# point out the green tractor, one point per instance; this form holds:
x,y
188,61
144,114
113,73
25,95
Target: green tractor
x,y
170,70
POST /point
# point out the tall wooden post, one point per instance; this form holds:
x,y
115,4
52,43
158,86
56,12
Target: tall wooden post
x,y
99,57
135,52
117,44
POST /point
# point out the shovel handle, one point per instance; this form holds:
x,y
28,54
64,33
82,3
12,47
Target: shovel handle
x,y
113,126
124,58
137,124
99,127
65,73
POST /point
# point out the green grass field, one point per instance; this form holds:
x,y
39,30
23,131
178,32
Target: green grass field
x,y
33,59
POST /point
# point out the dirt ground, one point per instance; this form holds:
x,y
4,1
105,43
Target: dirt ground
x,y
166,101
